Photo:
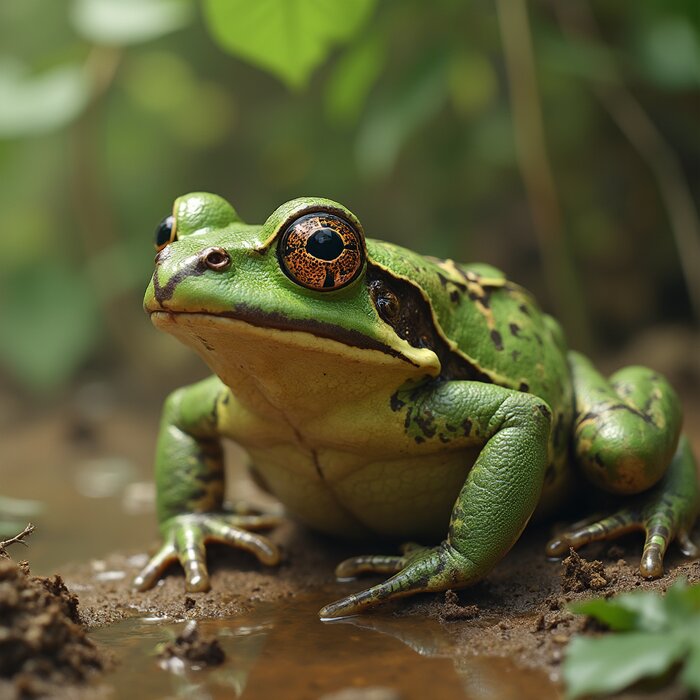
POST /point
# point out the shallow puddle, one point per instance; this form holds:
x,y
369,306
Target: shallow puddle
x,y
284,651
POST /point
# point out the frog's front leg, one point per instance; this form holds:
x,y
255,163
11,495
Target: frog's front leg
x,y
495,503
190,483
626,441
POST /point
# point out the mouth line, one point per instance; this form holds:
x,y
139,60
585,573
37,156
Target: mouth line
x,y
275,321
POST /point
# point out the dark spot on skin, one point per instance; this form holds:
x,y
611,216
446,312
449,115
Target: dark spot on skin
x,y
426,422
455,296
395,402
419,439
466,427
407,420
226,399
544,411
524,310
443,279
514,329
443,438
524,386
515,354
497,339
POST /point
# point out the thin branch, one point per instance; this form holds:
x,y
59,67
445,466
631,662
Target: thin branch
x,y
562,285
20,538
577,21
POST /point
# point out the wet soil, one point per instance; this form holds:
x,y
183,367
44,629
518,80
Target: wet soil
x,y
43,645
504,634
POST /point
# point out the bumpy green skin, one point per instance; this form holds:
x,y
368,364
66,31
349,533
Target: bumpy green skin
x,y
456,410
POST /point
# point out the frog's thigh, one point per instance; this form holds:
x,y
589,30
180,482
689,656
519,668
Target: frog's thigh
x,y
626,427
496,501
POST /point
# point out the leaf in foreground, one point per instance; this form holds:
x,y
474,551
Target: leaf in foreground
x,y
652,635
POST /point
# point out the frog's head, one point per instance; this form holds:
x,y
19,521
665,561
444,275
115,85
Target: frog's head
x,y
300,279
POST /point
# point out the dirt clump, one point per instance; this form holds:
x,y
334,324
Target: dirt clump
x,y
190,646
43,645
580,575
452,609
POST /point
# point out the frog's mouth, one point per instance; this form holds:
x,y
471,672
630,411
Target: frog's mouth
x,y
165,319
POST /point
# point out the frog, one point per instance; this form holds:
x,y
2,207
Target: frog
x,y
384,394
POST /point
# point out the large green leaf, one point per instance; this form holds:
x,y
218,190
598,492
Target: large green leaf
x,y
288,38
609,664
31,104
117,22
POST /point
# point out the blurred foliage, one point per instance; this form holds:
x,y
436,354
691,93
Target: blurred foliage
x,y
653,638
111,108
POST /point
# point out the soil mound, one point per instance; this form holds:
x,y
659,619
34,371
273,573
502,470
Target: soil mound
x,y
42,643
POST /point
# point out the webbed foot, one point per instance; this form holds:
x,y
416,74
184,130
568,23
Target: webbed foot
x,y
418,570
185,537
666,512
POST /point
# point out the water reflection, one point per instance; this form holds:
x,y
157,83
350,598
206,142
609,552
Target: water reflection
x,y
283,650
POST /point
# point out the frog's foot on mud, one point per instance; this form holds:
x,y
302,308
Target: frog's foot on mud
x,y
659,527
185,537
418,570
666,512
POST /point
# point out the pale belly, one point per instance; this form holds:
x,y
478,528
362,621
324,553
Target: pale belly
x,y
350,495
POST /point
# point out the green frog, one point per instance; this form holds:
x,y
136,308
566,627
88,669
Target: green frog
x,y
380,392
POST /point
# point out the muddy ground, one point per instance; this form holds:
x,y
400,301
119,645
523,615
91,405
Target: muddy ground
x,y
519,613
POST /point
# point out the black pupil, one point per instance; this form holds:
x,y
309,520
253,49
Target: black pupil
x,y
163,231
325,244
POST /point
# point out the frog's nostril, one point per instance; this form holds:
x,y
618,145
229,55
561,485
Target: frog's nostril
x,y
216,259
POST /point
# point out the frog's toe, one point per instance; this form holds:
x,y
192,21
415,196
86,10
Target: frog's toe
x,y
264,549
608,528
158,563
368,564
189,545
688,547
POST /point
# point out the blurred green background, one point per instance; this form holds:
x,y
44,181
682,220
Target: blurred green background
x,y
558,141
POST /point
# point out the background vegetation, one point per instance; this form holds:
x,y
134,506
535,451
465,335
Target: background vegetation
x,y
558,141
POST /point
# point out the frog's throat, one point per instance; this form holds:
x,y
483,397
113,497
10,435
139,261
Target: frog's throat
x,y
421,359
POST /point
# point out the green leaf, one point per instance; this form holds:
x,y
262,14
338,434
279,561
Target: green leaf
x,y
609,664
353,78
31,104
288,38
690,677
609,612
118,22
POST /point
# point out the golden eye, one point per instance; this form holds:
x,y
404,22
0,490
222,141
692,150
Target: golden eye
x,y
165,233
321,251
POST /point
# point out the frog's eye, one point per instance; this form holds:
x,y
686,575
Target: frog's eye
x,y
165,232
321,251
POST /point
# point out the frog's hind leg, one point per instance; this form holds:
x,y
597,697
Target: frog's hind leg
x,y
625,435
